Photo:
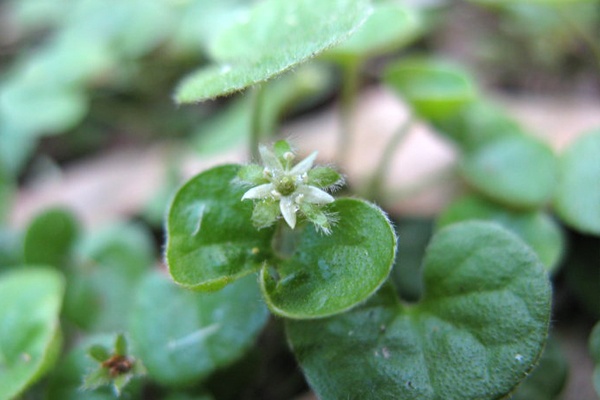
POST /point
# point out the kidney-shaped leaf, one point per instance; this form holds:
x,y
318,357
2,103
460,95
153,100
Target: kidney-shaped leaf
x,y
276,36
577,199
434,89
328,274
477,332
516,170
182,336
50,237
30,300
211,239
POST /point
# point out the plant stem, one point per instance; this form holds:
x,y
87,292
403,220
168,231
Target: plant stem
x,y
255,121
590,41
350,84
375,187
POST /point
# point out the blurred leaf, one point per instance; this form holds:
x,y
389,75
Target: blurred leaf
x,y
435,89
15,148
477,123
577,199
518,170
30,338
548,378
11,248
536,228
275,37
36,105
50,238
199,332
111,263
389,27
476,333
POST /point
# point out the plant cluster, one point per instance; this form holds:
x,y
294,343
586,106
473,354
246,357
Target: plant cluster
x,y
371,305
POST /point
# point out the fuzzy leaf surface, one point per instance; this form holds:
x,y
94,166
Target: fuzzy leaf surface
x,y
211,239
478,330
199,332
536,228
328,274
276,36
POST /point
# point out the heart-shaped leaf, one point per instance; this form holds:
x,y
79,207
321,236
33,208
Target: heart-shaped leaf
x,y
516,170
477,332
30,337
50,237
211,239
536,228
182,336
434,89
327,274
276,36
577,199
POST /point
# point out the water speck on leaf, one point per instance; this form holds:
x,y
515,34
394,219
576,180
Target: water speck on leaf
x,y
519,358
350,333
225,68
385,352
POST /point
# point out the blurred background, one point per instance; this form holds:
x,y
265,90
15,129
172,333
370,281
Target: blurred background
x,y
88,121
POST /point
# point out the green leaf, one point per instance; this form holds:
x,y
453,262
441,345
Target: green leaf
x,y
536,228
548,378
50,238
99,353
121,345
30,337
518,170
210,331
11,248
211,239
476,333
389,27
111,262
477,123
595,352
577,199
36,106
324,177
276,36
435,89
67,380
328,274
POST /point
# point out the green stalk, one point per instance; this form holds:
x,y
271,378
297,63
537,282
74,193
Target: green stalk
x,y
375,187
350,84
255,122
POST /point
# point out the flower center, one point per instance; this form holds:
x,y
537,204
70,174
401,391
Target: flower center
x,y
285,185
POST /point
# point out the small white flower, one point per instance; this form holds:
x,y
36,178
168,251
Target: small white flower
x,y
287,184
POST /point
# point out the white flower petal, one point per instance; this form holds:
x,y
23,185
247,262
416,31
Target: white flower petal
x,y
269,159
259,192
314,195
303,166
288,210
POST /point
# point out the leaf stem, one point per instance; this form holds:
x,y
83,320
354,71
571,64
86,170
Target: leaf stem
x,y
350,85
375,186
255,122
